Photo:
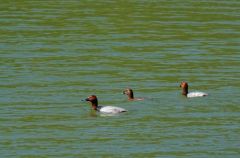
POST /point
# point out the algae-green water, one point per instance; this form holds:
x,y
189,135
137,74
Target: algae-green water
x,y
53,54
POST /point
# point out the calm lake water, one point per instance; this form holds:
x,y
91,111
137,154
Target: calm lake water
x,y
55,53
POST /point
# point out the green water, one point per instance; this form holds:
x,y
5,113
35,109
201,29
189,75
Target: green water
x,y
55,53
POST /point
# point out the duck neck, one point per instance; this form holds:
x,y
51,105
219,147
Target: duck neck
x,y
95,105
185,91
130,96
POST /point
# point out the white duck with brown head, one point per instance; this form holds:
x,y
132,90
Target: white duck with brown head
x,y
184,86
103,109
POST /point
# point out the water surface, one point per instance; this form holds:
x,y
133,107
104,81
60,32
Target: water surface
x,y
53,54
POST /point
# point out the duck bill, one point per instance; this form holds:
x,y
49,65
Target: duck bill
x,y
85,99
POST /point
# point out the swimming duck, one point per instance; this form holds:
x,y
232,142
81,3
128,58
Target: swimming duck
x,y
129,93
103,109
184,86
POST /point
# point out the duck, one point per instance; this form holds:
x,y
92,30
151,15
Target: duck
x,y
129,93
103,109
184,86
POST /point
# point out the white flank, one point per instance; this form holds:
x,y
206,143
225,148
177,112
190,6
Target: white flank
x,y
112,110
196,94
